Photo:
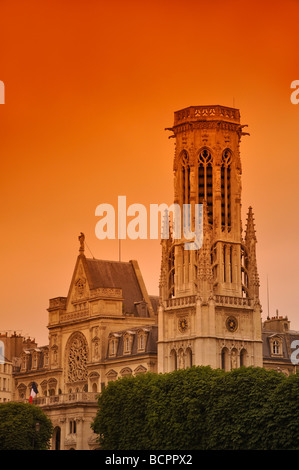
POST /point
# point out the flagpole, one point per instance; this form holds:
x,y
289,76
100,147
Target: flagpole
x,y
268,298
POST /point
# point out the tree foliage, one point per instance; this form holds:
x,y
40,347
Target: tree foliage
x,y
200,408
18,430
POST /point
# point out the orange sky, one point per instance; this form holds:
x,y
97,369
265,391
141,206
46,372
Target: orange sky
x,y
90,88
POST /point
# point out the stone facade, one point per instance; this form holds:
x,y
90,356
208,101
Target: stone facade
x,y
104,329
210,313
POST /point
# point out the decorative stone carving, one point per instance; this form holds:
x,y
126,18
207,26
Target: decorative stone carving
x,y
77,359
80,288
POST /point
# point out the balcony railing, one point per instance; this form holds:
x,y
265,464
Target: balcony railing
x,y
181,301
233,301
219,299
82,397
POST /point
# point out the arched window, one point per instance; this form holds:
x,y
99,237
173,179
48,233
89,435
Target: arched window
x,y
188,357
224,263
205,181
243,358
126,372
227,263
173,360
224,359
226,189
234,358
140,370
111,375
181,359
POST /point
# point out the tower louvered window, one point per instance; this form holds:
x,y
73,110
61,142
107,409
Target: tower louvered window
x,y
205,181
226,190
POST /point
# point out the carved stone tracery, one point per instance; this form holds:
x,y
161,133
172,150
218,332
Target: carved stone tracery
x,y
77,359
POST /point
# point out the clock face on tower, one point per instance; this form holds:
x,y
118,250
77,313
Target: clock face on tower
x,y
231,324
183,324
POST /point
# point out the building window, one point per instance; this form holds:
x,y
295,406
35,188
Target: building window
x,y
112,347
243,358
46,359
276,347
73,427
173,360
188,357
127,342
224,359
142,337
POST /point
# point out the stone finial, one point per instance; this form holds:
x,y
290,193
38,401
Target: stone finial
x,y
250,226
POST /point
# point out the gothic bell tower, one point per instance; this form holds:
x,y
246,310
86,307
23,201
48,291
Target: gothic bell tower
x,y
210,312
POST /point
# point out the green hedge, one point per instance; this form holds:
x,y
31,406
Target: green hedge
x,y
18,427
200,408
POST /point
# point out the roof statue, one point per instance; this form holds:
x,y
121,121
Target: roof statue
x,y
81,240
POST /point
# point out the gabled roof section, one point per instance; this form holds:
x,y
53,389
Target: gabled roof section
x,y
116,274
119,275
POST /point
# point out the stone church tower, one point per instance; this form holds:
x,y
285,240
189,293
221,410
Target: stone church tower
x,y
210,313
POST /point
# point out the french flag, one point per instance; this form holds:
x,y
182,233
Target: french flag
x,y
33,392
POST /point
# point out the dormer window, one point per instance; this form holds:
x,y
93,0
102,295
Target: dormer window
x,y
46,359
275,347
128,341
113,344
142,337
113,349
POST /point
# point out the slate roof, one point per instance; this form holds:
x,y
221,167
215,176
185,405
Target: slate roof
x,y
151,343
118,274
